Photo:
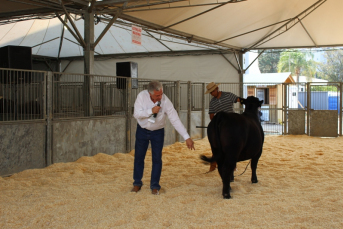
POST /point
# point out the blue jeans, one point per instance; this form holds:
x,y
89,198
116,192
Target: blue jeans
x,y
156,137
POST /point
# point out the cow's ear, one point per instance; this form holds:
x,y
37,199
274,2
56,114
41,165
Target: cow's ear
x,y
261,102
242,101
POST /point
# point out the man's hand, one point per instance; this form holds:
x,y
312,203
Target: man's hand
x,y
156,109
190,144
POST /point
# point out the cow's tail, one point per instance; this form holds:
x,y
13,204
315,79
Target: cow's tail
x,y
216,156
207,159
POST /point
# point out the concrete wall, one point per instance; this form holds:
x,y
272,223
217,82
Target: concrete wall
x,y
76,138
22,146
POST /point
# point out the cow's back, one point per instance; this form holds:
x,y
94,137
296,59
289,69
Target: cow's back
x,y
237,133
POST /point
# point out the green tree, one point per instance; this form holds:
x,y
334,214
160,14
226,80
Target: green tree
x,y
332,69
268,61
310,71
297,63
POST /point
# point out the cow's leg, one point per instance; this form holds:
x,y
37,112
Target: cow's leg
x,y
220,170
232,177
254,162
226,173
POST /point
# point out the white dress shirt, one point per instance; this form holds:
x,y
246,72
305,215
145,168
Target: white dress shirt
x,y
143,110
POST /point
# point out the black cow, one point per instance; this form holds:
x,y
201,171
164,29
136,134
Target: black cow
x,y
236,137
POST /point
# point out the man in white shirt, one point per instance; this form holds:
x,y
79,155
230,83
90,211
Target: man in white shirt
x,y
151,129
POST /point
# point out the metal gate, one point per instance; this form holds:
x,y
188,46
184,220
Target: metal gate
x,y
313,108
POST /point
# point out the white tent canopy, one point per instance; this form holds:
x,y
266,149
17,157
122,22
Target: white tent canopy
x,y
305,23
236,25
45,37
202,26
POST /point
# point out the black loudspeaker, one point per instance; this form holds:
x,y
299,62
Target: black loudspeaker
x,y
127,69
15,57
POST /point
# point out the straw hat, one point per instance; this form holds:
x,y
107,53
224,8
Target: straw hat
x,y
211,87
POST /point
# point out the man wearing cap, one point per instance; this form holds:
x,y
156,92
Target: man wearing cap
x,y
221,101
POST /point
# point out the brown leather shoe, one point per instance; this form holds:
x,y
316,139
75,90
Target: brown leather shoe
x,y
155,192
136,188
213,166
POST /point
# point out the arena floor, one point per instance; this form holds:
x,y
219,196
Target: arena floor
x,y
300,186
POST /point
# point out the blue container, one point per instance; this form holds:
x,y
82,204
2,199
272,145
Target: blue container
x,y
333,102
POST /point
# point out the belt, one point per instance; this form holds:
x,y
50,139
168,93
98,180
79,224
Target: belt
x,y
148,129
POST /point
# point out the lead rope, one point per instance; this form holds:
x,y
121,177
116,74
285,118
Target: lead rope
x,y
244,170
237,175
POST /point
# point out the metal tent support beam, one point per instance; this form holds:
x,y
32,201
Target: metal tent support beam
x,y
47,64
69,29
307,32
199,14
240,63
264,27
90,8
88,53
159,41
45,42
195,39
110,23
61,40
254,61
65,68
264,39
82,42
230,62
128,9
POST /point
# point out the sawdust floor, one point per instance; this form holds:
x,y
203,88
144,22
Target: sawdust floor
x,y
300,186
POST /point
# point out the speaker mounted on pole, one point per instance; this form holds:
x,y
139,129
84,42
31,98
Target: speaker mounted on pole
x,y
127,69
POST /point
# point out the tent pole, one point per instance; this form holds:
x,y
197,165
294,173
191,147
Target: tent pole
x,y
241,73
88,53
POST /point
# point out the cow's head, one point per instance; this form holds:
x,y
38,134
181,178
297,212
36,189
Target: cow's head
x,y
251,103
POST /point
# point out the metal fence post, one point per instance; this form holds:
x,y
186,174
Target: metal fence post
x,y
340,108
47,103
177,104
88,89
285,118
203,110
128,114
189,106
102,97
308,107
